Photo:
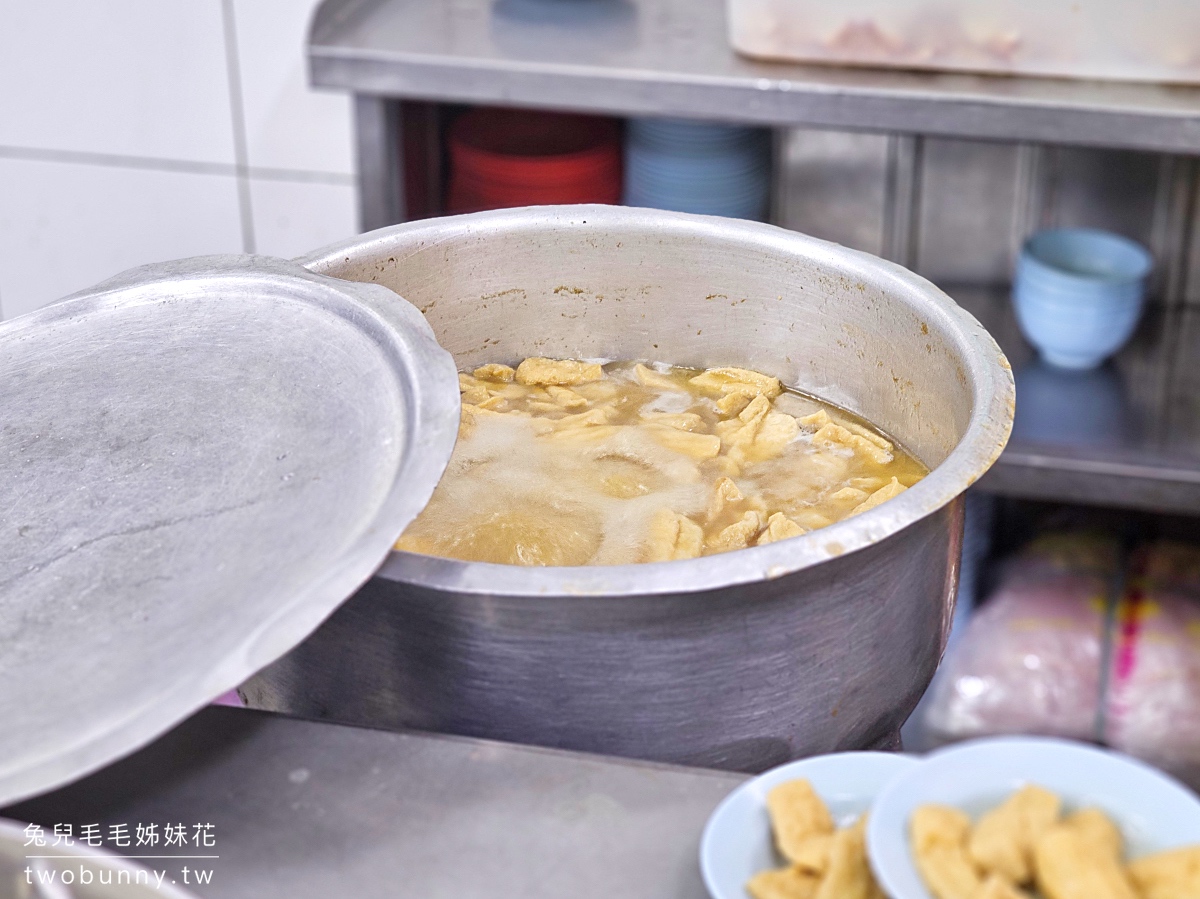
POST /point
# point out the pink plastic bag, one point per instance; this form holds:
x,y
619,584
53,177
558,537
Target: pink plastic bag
x,y
1153,703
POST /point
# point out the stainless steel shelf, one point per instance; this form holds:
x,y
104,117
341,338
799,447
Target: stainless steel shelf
x,y
1138,446
307,810
672,58
1126,435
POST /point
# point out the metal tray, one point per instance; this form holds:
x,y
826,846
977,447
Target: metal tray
x,y
199,461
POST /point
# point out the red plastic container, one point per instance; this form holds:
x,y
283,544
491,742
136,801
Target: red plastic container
x,y
501,158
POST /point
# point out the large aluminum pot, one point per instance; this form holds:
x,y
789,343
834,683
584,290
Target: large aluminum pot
x,y
742,660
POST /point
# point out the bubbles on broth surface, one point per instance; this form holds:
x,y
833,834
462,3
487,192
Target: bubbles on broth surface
x,y
569,463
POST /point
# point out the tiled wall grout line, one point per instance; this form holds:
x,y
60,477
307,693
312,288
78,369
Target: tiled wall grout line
x,y
239,126
300,176
186,166
152,156
109,160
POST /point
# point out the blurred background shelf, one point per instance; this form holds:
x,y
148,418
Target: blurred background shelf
x,y
946,174
673,58
1126,435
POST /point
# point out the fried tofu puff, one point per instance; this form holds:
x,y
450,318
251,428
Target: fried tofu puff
x,y
495,372
757,433
825,863
797,814
1023,841
1098,831
472,391
654,380
536,371
698,446
939,841
740,381
888,491
848,875
673,536
1070,864
812,855
738,535
997,887
1168,875
779,527
783,883
838,435
1002,840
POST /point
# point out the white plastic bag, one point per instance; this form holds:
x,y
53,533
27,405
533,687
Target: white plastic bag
x,y
1031,658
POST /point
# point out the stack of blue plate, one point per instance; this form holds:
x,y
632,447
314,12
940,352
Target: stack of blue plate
x,y
698,167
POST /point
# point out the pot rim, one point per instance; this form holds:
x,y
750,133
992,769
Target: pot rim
x,y
988,374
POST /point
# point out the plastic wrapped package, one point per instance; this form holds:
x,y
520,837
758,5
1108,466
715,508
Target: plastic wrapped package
x,y
1170,565
1153,703
1059,38
1030,660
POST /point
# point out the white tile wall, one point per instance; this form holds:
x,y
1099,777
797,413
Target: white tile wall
x,y
134,131
65,226
288,125
291,218
141,78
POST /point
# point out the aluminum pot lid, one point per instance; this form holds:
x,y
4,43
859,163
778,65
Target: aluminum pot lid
x,y
200,461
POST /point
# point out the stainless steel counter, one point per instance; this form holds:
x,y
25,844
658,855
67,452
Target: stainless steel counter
x,y
301,809
672,57
1126,435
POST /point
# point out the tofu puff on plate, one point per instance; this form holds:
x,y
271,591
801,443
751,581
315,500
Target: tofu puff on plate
x,y
1027,847
823,861
798,830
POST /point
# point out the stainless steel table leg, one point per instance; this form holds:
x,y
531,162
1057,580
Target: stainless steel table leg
x,y
380,161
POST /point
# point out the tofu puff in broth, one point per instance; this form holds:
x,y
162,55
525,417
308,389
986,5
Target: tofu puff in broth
x,y
562,462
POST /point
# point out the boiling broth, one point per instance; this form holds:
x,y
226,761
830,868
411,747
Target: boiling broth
x,y
561,462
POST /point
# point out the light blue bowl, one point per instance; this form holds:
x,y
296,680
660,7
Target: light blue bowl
x,y
737,841
1154,812
1078,294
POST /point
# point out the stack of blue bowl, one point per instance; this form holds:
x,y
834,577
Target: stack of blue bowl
x,y
698,167
1078,294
